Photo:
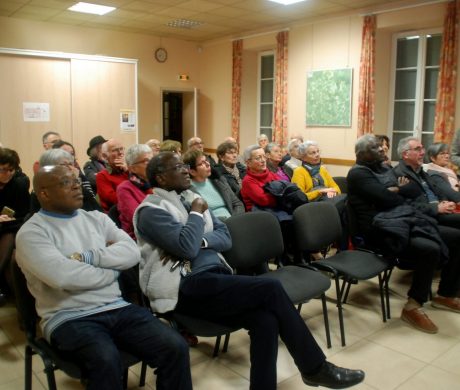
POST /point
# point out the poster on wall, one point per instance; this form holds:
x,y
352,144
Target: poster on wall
x,y
35,112
128,121
329,97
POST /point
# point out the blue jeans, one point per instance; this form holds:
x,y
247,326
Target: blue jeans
x,y
93,342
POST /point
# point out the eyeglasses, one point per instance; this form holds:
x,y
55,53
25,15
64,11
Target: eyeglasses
x,y
66,164
178,167
117,150
204,162
197,143
68,183
259,158
7,170
144,161
418,149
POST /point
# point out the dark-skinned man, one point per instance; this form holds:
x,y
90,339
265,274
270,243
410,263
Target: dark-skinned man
x,y
182,269
72,259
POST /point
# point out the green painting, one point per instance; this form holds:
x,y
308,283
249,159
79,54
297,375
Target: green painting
x,y
329,97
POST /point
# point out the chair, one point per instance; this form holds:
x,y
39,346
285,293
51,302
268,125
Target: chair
x,y
317,225
341,181
114,215
257,238
51,357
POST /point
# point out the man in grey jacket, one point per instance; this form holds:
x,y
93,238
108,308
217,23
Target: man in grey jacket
x,y
182,269
71,260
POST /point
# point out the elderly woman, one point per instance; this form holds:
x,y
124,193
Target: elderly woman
x,y
228,166
294,161
274,156
171,146
215,191
14,205
313,178
444,178
132,192
63,158
262,140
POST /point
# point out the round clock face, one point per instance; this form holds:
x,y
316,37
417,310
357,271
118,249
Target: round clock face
x,y
161,54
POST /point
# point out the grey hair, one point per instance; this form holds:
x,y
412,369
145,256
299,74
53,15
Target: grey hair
x,y
292,143
403,144
303,147
248,151
55,157
270,146
192,140
363,142
434,149
134,151
262,136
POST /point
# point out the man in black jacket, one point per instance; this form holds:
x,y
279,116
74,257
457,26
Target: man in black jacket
x,y
372,189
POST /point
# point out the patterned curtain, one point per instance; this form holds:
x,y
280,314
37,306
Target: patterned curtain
x,y
236,87
366,77
280,109
444,120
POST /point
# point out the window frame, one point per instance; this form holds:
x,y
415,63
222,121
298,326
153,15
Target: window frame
x,y
259,88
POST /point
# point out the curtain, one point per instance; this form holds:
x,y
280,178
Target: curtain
x,y
366,77
236,87
444,120
280,108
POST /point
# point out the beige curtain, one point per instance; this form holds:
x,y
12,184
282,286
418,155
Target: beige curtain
x,y
280,108
444,120
236,87
366,77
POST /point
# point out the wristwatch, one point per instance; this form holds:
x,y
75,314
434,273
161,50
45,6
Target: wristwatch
x,y
77,256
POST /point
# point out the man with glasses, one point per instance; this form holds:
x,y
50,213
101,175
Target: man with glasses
x,y
72,260
195,143
182,269
48,140
116,173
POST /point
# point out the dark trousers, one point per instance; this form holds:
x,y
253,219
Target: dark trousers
x,y
260,305
426,256
93,341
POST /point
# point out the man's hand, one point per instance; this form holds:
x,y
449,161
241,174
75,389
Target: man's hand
x,y
446,207
199,205
402,181
120,163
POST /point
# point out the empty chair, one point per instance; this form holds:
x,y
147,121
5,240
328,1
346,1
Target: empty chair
x,y
317,225
257,238
52,358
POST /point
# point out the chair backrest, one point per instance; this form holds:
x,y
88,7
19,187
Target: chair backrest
x,y
256,238
114,215
24,300
316,225
341,181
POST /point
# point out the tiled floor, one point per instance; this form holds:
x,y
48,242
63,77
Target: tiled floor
x,y
393,355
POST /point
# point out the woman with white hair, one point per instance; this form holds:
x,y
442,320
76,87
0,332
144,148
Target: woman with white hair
x,y
132,192
312,177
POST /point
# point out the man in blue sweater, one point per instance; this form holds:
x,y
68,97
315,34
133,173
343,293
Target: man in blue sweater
x,y
182,269
72,259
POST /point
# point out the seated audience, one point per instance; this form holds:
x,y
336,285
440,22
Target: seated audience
x,y
96,161
133,191
154,145
116,173
240,158
195,143
312,177
262,140
385,142
68,147
384,220
294,161
14,206
257,175
48,140
197,281
274,156
71,260
229,167
442,176
170,145
214,190
287,156
65,159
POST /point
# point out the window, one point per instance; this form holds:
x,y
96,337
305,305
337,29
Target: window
x,y
266,93
415,74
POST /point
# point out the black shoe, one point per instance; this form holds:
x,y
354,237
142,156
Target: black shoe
x,y
334,377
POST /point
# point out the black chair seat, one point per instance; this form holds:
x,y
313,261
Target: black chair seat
x,y
295,281
357,264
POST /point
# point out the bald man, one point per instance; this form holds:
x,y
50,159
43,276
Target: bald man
x,y
195,143
71,260
115,173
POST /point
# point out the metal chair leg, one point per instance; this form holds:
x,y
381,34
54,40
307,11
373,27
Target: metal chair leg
x,y
28,368
226,341
143,374
216,347
382,296
339,308
326,321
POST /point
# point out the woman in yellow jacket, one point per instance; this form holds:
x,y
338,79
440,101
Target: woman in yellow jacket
x,y
311,177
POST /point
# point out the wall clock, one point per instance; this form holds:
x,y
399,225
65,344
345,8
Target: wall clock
x,y
161,54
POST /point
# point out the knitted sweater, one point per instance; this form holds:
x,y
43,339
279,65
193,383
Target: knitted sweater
x,y
303,179
252,190
66,289
107,182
